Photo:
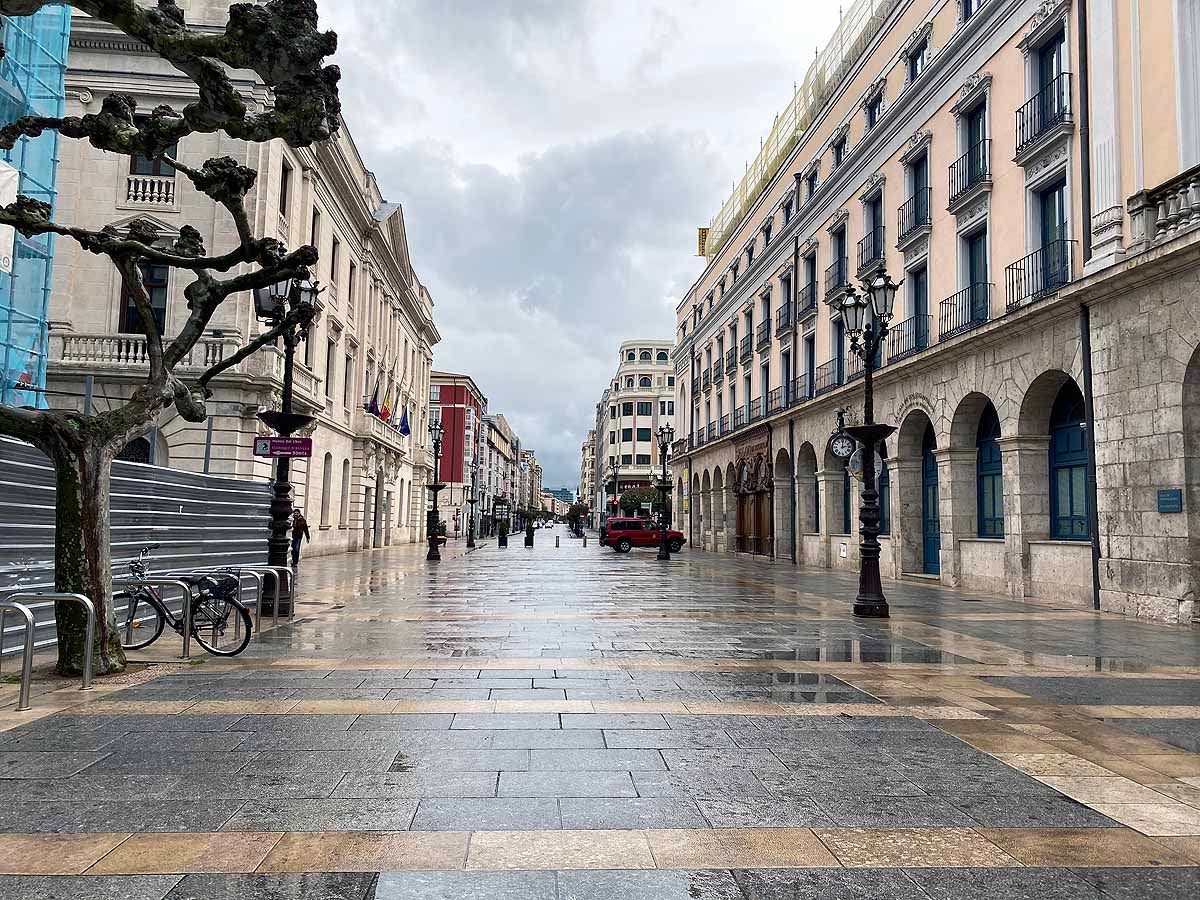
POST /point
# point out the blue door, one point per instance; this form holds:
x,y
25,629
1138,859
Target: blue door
x,y
931,529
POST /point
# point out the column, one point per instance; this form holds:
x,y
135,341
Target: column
x,y
957,499
905,475
1105,132
829,483
1026,503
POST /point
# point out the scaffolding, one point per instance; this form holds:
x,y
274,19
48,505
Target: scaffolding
x,y
858,26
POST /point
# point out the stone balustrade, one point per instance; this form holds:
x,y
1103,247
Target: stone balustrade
x,y
1164,212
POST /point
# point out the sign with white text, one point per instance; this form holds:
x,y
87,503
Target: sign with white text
x,y
283,446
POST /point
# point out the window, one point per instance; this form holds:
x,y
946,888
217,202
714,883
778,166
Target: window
x,y
766,232
662,407
435,393
631,356
917,58
645,356
629,382
330,367
839,151
612,412
154,279
733,271
326,489
663,355
670,381
626,434
1068,467
970,7
989,475
787,210
645,381
344,506
335,260
645,408
315,236
670,407
874,108
918,291
627,459
643,434
347,380
643,459
612,437
141,165
750,254
285,188
810,181
350,284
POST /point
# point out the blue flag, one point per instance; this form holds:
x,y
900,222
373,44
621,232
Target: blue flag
x,y
373,406
404,429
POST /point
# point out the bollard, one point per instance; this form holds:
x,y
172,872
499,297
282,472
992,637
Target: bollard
x,y
585,540
27,655
556,542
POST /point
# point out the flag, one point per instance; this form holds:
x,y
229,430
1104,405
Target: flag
x,y
386,412
373,406
404,428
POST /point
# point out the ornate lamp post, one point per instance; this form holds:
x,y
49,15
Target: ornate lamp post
x,y
471,502
866,317
666,434
435,433
272,304
614,472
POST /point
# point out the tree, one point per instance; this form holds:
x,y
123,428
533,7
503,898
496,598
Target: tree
x,y
575,512
280,42
633,498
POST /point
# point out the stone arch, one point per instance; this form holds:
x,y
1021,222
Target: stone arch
x,y
730,508
695,526
1038,402
680,521
706,524
808,494
908,491
718,509
966,483
784,507
326,489
833,491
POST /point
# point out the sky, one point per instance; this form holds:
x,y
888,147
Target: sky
x,y
554,159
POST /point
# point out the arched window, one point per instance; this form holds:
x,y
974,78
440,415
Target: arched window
x,y
629,382
645,381
989,475
326,489
816,502
631,356
663,357
344,506
1068,467
845,500
645,356
885,494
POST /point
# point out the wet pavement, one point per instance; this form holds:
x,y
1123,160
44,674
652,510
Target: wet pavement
x,y
568,723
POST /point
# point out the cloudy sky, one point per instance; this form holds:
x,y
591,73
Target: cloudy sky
x,y
554,158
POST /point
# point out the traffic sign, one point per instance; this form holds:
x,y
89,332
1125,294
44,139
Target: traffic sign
x,y
283,446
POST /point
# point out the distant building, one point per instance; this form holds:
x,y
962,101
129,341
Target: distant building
x,y
587,470
457,402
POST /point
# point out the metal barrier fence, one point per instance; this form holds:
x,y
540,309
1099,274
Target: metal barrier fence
x,y
199,520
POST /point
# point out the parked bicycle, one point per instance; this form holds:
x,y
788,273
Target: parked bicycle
x,y
214,607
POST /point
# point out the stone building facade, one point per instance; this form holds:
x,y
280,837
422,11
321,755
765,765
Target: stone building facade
x,y
499,473
374,338
1041,369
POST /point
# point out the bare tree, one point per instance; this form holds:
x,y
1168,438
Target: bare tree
x,y
280,42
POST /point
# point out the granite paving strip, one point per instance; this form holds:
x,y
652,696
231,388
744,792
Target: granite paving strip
x,y
54,854
913,847
372,851
186,853
560,850
1083,847
738,848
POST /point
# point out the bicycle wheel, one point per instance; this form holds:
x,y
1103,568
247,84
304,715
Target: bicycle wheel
x,y
135,633
213,617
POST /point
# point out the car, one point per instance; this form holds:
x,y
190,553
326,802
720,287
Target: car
x,y
623,534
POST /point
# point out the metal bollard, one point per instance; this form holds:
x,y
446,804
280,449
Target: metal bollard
x,y
556,542
27,660
585,540
89,635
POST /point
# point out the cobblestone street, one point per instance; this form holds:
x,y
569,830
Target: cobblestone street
x,y
572,723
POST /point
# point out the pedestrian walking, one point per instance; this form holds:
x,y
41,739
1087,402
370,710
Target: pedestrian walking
x,y
299,533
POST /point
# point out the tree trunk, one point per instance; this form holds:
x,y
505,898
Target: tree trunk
x,y
82,557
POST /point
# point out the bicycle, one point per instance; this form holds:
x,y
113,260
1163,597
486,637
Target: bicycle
x,y
213,602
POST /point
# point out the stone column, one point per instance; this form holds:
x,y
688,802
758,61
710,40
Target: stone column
x,y
905,475
1108,218
1026,503
829,483
957,490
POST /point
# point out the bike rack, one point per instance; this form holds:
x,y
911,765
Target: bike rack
x,y
89,634
234,572
259,573
156,581
27,658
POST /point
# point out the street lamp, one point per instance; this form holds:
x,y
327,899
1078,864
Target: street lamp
x,y
614,472
866,317
435,434
666,434
471,501
272,304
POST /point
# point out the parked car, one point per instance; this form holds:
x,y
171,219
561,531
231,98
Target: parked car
x,y
623,534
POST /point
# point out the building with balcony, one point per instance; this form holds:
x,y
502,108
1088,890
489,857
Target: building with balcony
x,y
639,399
1041,367
500,476
457,402
587,469
31,83
530,490
373,340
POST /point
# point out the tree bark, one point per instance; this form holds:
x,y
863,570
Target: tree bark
x,y
82,556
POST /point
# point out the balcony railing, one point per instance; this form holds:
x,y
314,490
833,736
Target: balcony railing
x,y
799,390
695,386
718,371
806,300
827,377
154,191
698,438
908,337
783,318
870,249
914,214
762,334
1039,274
706,380
971,169
756,409
775,401
745,349
969,308
711,432
1049,108
1162,213
837,277
739,417
724,429
854,367
123,351
731,360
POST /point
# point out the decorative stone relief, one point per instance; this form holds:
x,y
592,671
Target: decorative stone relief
x,y
873,186
809,247
1053,157
918,142
918,250
974,212
839,219
974,88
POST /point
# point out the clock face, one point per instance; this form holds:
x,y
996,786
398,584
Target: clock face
x,y
842,446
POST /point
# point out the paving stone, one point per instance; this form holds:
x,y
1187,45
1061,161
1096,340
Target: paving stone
x,y
1016,811
727,784
464,761
595,760
668,739
500,814
666,885
763,813
79,815
537,695
707,760
523,721
1142,883
825,884
613,720
418,784
566,784
467,886
630,813
547,739
33,764
93,887
332,814
890,812
1004,884
318,761
292,721
314,886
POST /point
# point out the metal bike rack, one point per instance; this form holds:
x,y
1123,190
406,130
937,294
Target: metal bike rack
x,y
236,572
89,634
27,659
157,581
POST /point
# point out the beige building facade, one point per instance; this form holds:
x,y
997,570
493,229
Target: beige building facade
x,y
373,340
1037,197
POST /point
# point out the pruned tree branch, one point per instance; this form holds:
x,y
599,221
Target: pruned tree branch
x,y
297,317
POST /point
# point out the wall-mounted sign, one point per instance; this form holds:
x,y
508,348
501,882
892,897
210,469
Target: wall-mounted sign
x,y
1170,500
283,446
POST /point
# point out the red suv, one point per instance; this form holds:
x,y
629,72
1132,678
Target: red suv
x,y
625,534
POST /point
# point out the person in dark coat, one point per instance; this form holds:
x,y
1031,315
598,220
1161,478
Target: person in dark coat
x,y
299,533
